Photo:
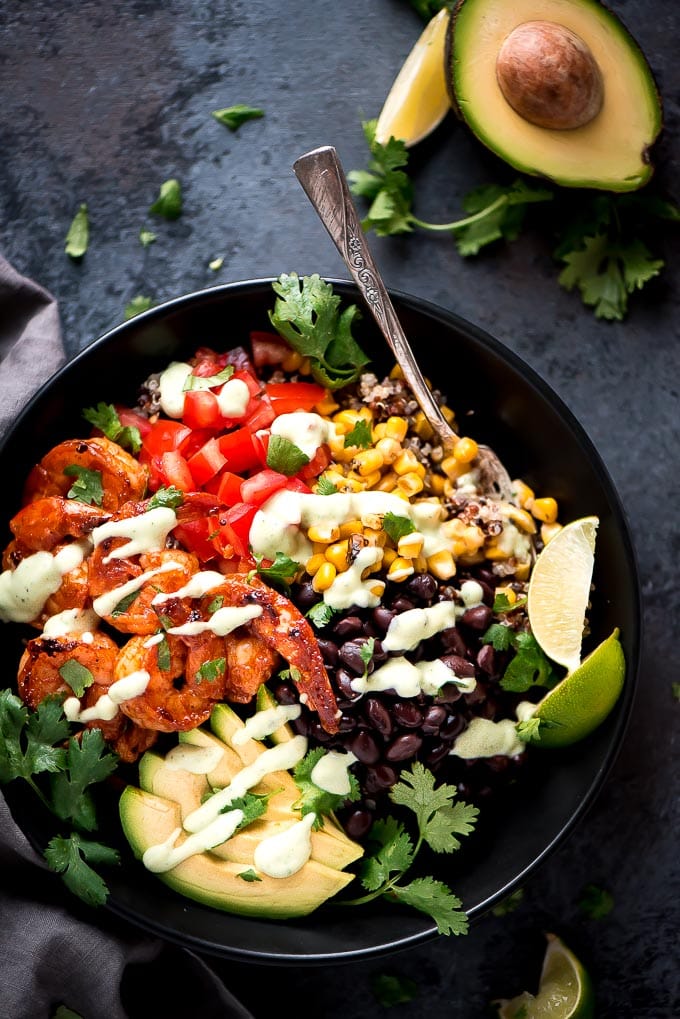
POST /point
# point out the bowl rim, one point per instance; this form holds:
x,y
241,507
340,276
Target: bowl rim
x,y
449,319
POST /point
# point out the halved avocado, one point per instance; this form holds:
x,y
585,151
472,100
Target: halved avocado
x,y
611,149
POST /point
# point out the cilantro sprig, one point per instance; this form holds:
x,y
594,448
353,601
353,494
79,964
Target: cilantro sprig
x,y
440,821
602,242
312,798
60,769
105,417
307,314
528,666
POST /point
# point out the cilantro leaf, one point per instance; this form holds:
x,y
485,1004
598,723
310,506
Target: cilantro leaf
x,y
495,213
87,762
27,740
211,670
428,8
509,904
105,417
168,496
529,667
390,989
284,456
596,902
169,201
146,237
325,487
78,236
529,730
306,313
253,805
502,604
384,185
137,305
233,116
500,636
282,570
249,875
439,820
76,675
320,614
312,798
436,900
394,854
360,435
71,857
396,527
606,272
88,485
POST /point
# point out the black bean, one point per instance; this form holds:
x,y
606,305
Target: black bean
x,y
358,824
343,681
378,716
382,617
422,586
352,653
379,778
402,604
306,596
350,626
407,714
285,693
478,617
437,753
329,651
365,748
434,716
475,696
452,640
448,694
459,666
404,746
452,727
486,659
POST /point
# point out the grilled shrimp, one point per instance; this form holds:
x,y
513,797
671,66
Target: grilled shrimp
x,y
47,660
123,478
181,692
284,630
139,579
250,663
44,523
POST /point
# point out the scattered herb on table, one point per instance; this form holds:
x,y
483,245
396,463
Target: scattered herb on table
x,y
37,746
233,116
146,237
169,201
596,902
78,236
137,305
509,904
391,989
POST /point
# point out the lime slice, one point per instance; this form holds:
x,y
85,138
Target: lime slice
x,y
565,990
584,698
418,100
559,590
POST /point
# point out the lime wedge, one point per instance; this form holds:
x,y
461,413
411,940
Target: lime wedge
x,y
583,699
559,591
565,990
418,100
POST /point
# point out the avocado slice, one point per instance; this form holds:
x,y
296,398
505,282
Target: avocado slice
x,y
169,793
148,820
497,56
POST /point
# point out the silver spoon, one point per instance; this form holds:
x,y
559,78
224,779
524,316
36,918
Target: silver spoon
x,y
321,175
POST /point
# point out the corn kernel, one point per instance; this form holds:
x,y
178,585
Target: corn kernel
x,y
420,564
497,552
388,482
522,493
377,589
522,518
452,468
324,577
510,595
549,531
350,527
347,418
410,545
422,426
389,449
453,528
314,563
442,565
410,484
473,538
396,428
373,521
327,406
378,432
448,413
292,361
545,510
396,372
389,555
523,570
350,485
338,554
367,461
400,569
465,450
436,484
324,532
406,462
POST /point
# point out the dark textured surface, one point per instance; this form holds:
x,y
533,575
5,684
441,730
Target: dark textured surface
x,y
103,102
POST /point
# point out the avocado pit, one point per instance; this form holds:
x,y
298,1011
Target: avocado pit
x,y
549,76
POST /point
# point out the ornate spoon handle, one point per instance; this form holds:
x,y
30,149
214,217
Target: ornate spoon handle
x,y
323,179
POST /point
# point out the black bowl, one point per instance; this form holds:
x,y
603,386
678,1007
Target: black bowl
x,y
502,402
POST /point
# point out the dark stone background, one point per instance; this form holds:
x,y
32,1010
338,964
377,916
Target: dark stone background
x,y
102,102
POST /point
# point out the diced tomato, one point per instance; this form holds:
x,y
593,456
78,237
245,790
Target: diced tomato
x,y
257,488
268,348
254,385
194,536
259,412
238,450
193,442
235,530
201,409
228,487
317,464
165,435
261,445
287,397
297,485
130,418
206,463
175,471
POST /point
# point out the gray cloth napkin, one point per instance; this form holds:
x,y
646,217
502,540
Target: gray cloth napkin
x,y
53,950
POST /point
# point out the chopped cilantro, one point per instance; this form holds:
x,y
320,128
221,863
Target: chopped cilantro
x,y
529,730
282,570
509,904
163,655
390,989
233,116
675,690
209,381
124,604
105,417
307,315
529,666
320,614
146,237
360,435
596,902
76,675
78,236
502,604
169,201
314,799
211,670
249,875
395,526
169,497
325,486
284,456
253,805
88,484
216,264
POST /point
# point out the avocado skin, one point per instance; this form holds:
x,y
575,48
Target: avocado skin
x,y
150,814
528,10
